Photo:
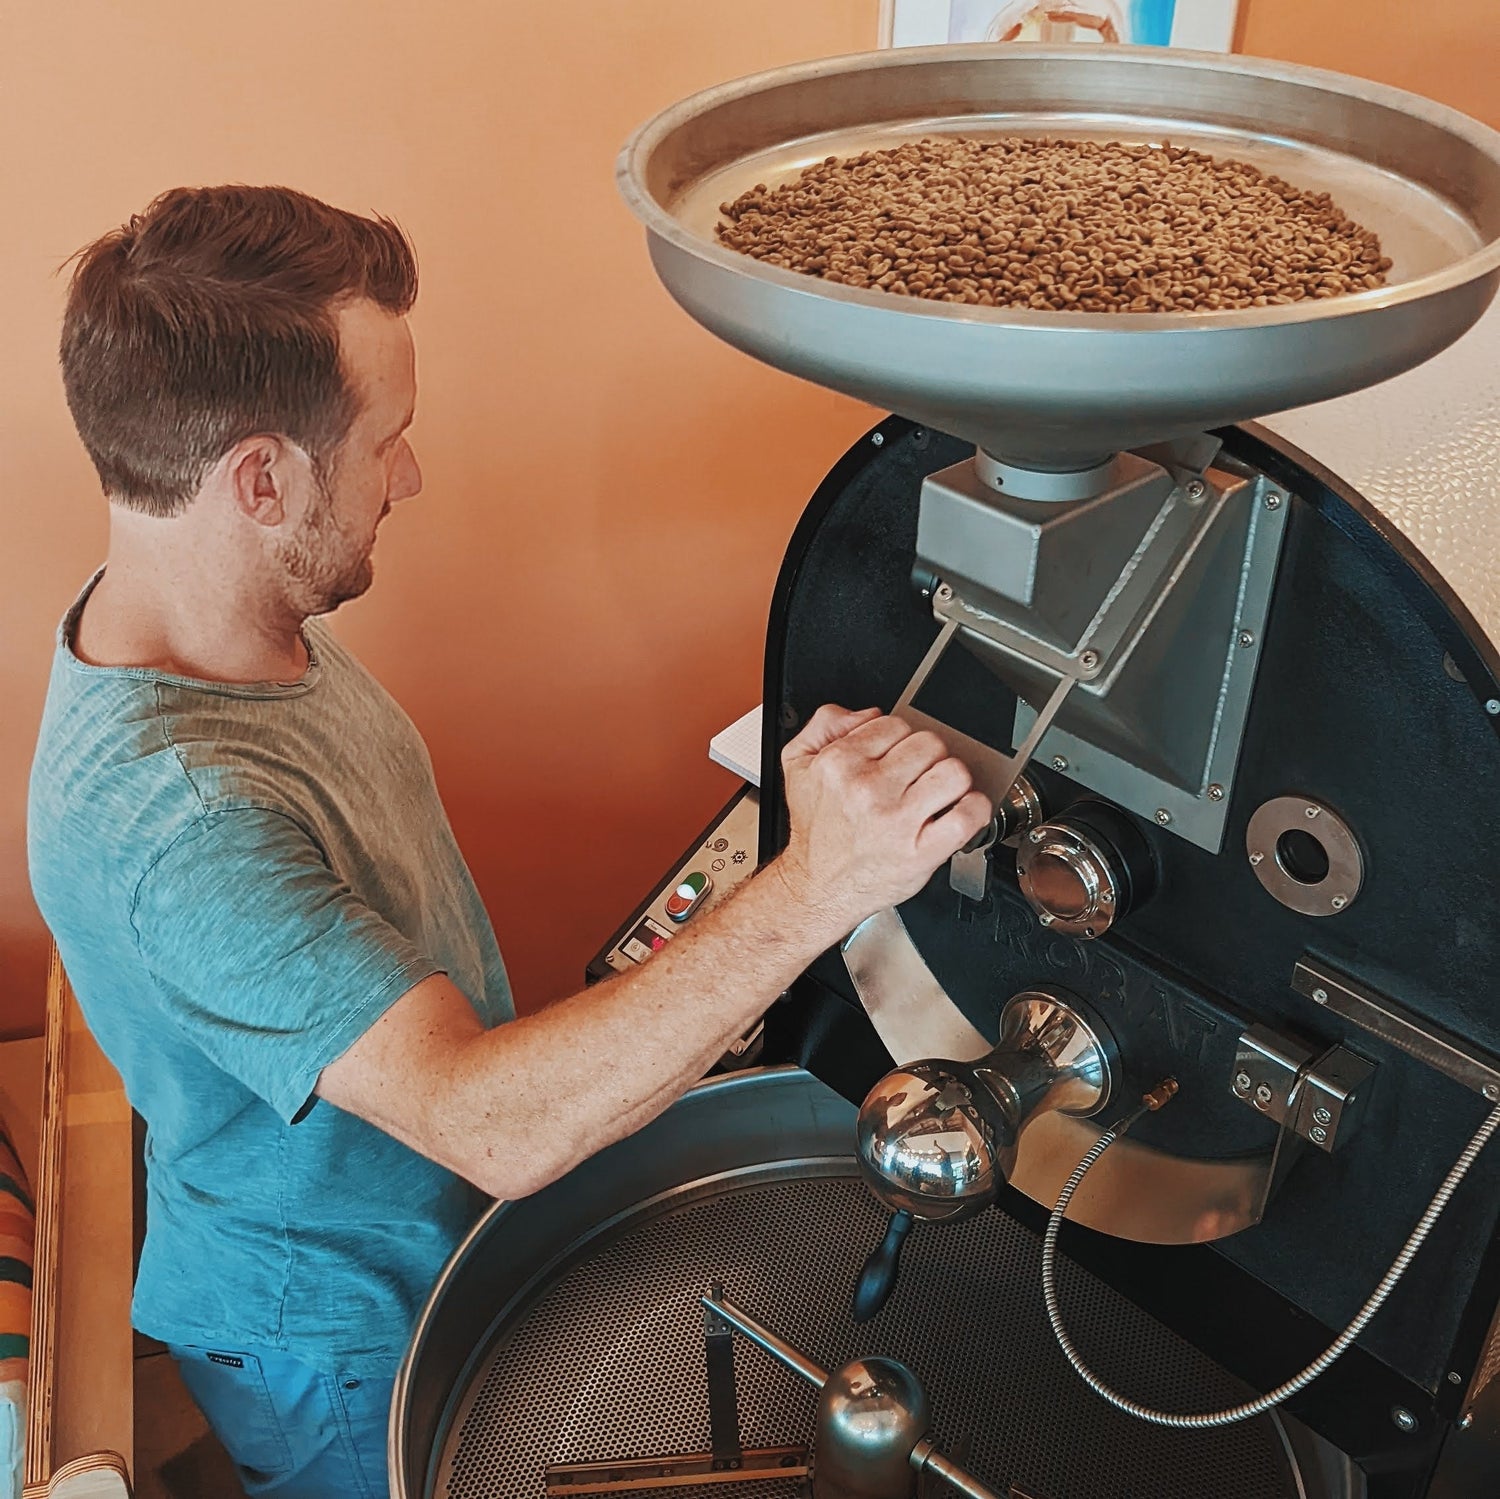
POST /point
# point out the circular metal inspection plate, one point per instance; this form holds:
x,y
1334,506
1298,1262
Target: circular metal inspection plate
x,y
1274,841
1060,390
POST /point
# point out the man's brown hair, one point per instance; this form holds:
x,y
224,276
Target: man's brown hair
x,y
210,318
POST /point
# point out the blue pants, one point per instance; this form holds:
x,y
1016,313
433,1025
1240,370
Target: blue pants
x,y
293,1432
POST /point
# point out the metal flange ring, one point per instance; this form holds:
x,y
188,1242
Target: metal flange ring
x,y
1305,855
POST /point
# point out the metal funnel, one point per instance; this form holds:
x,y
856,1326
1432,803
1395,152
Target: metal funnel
x,y
1061,391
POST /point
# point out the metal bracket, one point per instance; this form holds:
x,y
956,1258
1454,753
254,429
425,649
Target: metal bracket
x,y
1383,1017
997,775
1313,1096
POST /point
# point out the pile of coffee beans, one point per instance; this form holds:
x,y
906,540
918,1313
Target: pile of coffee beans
x,y
1058,225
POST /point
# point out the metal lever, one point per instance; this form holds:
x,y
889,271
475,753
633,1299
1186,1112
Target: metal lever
x,y
878,1278
839,1444
969,868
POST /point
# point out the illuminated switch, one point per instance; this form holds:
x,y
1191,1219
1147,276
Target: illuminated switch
x,y
688,896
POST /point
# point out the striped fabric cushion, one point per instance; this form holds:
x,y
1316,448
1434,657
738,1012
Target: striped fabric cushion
x,y
17,1237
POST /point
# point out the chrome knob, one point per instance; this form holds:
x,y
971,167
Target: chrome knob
x,y
1082,871
923,1144
872,1413
1019,810
939,1139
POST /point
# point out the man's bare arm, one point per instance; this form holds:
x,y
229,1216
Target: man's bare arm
x,y
875,809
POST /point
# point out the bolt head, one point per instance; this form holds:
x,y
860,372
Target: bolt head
x,y
1320,996
1263,1092
1163,816
1273,502
1216,792
1311,811
1195,489
1059,762
1246,639
1339,902
1493,706
1242,1082
1403,1418
1046,918
1319,1134
1088,660
877,439
945,592
1454,1377
1036,835
1322,1116
1492,1092
1256,858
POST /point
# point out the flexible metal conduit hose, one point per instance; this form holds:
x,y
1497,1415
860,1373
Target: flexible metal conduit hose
x,y
1320,1365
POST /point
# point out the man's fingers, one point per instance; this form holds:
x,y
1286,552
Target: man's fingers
x,y
914,756
942,786
945,835
829,723
877,737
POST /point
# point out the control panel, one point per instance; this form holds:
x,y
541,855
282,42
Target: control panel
x,y
723,857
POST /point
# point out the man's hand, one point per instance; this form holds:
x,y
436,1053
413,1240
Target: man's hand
x,y
875,809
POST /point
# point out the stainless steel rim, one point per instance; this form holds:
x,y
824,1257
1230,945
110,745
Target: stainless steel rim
x,y
630,177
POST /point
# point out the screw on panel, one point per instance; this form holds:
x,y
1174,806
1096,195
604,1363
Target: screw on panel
x,y
1492,1092
1454,1377
1163,816
945,592
1312,811
1195,489
1242,1082
1273,502
1493,706
1403,1418
1320,996
1059,762
1322,1116
1088,660
1263,1093
1036,835
1339,902
1046,918
1256,858
1246,639
1318,1134
1216,792
877,439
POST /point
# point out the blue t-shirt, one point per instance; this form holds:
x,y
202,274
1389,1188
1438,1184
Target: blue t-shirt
x,y
241,879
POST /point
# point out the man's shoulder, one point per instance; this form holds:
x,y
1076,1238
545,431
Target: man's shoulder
x,y
110,788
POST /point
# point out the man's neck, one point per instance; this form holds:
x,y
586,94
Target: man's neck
x,y
163,603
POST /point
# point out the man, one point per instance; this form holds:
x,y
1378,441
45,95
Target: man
x,y
236,839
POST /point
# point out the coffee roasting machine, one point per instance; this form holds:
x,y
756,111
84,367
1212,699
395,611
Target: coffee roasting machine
x,y
1144,1152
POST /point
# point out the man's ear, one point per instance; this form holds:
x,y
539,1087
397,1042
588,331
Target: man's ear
x,y
260,472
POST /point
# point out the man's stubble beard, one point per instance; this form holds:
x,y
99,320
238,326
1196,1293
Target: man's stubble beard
x,y
322,570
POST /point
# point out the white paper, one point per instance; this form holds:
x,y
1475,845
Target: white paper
x,y
737,748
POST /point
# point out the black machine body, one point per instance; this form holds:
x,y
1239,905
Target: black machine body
x,y
1375,701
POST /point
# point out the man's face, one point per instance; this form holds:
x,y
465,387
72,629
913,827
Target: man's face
x,y
328,556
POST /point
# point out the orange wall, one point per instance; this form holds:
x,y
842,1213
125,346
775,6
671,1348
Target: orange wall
x,y
1447,49
578,600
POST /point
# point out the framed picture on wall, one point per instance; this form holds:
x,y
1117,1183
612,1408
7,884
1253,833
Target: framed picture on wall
x,y
1205,24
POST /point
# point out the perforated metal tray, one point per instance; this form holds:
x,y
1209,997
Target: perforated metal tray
x,y
568,1328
